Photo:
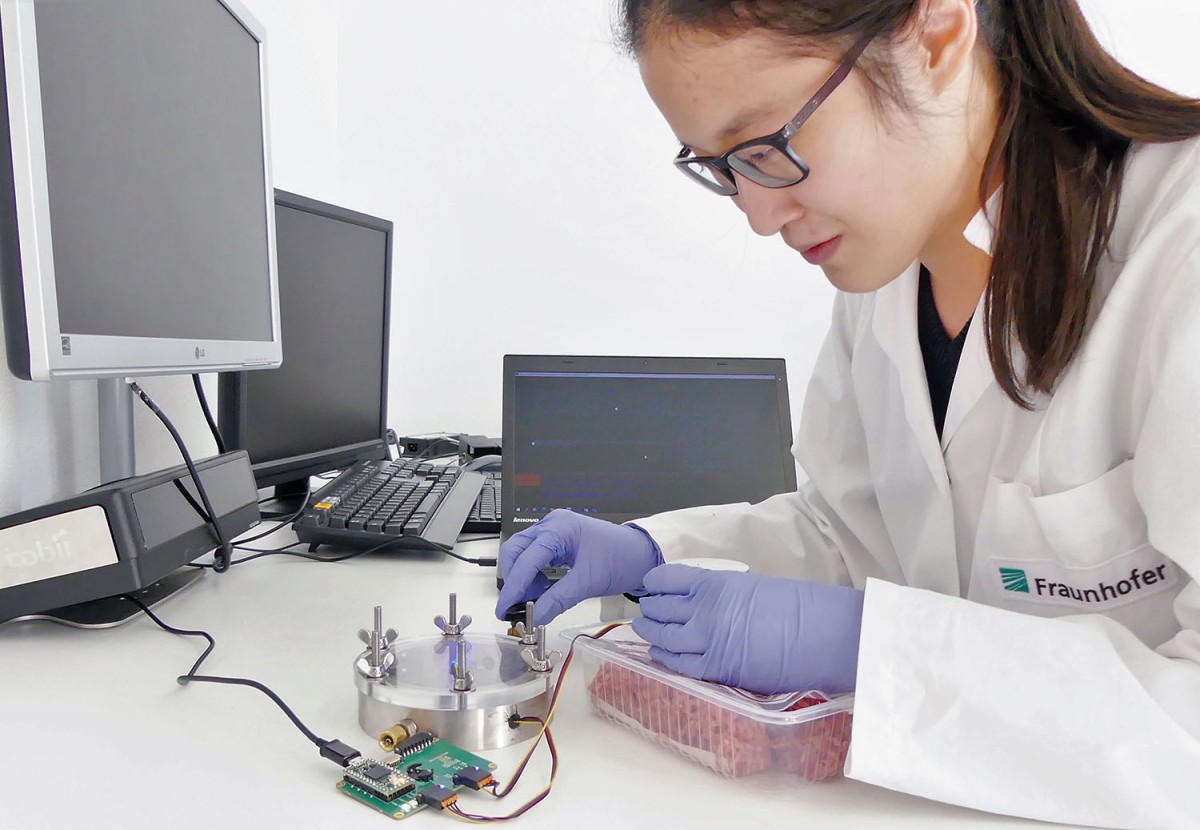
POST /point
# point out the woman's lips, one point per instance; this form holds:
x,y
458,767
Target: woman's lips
x,y
820,254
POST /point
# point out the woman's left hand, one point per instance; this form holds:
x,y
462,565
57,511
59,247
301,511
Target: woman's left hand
x,y
764,634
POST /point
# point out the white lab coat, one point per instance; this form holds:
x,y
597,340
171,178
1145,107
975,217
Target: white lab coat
x,y
1067,686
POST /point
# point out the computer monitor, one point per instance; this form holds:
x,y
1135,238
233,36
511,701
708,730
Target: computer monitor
x,y
621,438
136,229
326,406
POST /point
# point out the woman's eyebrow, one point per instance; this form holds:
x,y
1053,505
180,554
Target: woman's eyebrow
x,y
744,120
736,125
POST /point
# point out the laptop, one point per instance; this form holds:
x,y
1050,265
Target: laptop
x,y
621,438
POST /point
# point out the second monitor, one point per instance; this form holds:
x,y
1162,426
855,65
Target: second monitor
x,y
326,406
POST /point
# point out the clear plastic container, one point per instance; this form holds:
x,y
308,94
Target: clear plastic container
x,y
736,733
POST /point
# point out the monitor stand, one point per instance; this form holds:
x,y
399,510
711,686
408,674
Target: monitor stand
x,y
115,413
287,499
109,612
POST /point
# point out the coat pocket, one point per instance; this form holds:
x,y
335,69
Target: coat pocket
x,y
1083,550
1082,526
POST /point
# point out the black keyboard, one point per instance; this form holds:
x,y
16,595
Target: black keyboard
x,y
485,515
408,503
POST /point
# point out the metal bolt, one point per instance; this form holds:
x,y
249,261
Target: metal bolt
x,y
449,627
377,660
464,681
386,638
526,629
536,657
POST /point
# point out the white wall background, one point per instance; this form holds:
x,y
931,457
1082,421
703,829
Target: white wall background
x,y
528,176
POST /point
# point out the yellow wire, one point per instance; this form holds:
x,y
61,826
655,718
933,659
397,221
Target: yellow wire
x,y
562,677
464,818
561,680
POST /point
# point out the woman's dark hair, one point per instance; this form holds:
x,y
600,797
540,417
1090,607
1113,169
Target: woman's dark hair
x,y
1068,115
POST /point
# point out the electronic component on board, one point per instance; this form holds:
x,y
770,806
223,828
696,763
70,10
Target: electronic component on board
x,y
430,776
418,773
416,743
474,778
380,780
438,796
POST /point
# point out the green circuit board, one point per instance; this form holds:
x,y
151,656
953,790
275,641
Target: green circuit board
x,y
419,776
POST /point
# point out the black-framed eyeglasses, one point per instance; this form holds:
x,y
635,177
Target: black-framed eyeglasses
x,y
769,160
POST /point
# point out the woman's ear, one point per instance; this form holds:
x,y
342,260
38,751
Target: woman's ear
x,y
946,35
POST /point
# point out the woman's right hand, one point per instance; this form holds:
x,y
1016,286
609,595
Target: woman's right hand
x,y
604,559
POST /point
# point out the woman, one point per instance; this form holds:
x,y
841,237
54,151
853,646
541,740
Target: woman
x,y
998,544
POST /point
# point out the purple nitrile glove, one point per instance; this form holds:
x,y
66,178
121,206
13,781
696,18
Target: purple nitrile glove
x,y
604,559
760,633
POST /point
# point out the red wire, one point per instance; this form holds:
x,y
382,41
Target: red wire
x,y
562,675
558,685
533,802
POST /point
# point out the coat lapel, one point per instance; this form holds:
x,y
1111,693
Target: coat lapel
x,y
974,374
895,328
972,378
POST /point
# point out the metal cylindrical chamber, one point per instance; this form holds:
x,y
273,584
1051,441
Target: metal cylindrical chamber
x,y
421,685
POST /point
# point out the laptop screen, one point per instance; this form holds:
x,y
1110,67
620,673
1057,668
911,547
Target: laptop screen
x,y
621,438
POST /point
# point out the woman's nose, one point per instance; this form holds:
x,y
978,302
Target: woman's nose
x,y
767,209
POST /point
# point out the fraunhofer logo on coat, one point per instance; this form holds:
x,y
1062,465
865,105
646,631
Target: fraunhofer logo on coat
x,y
1133,576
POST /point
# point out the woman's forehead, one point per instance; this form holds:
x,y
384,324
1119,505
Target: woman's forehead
x,y
712,89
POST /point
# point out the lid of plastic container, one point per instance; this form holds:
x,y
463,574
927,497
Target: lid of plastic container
x,y
624,648
709,563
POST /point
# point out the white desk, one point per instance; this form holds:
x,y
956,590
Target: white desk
x,y
95,733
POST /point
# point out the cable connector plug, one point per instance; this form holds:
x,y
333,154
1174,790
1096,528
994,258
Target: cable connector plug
x,y
475,778
340,753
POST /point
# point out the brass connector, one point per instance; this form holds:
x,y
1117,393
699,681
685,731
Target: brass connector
x,y
390,738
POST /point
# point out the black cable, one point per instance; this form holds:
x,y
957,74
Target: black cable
x,y
212,424
483,561
279,522
312,557
222,556
335,750
183,491
259,553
